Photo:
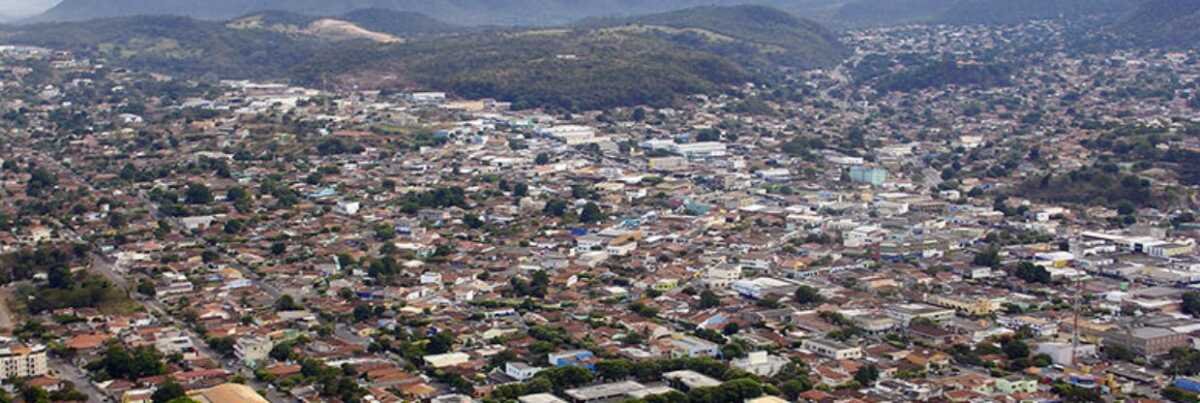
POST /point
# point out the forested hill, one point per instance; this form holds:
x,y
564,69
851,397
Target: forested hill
x,y
887,12
1163,23
460,12
655,61
773,35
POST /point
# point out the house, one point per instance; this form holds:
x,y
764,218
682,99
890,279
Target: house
x,y
446,360
686,380
227,393
694,347
253,349
582,358
832,349
761,363
520,371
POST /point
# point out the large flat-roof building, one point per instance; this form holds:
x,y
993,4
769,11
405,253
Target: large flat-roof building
x,y
603,391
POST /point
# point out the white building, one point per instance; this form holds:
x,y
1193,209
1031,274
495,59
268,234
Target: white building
x,y
20,361
570,134
520,371
863,236
253,349
761,363
763,286
348,207
832,349
694,347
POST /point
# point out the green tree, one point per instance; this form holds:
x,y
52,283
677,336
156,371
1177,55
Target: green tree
x,y
1191,303
591,214
709,299
806,295
198,193
287,303
867,375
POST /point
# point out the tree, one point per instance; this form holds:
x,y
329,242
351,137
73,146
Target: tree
x,y
989,257
1015,349
614,369
198,193
591,213
867,375
731,329
287,303
639,114
1191,303
236,194
709,299
542,159
794,387
146,288
555,208
278,248
234,226
60,277
806,295
1032,273
117,362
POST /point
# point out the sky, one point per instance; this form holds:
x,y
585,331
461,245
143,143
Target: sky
x,y
25,7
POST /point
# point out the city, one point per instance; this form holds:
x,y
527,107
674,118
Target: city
x,y
1022,230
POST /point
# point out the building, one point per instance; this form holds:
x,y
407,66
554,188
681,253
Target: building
x,y
570,134
701,150
667,164
687,380
873,176
1170,249
1146,341
694,347
20,361
227,393
446,360
520,371
579,358
1063,353
253,349
601,392
832,349
905,313
967,304
864,236
540,398
761,363
762,287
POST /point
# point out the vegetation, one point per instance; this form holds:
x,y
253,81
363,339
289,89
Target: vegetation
x,y
947,72
600,64
120,363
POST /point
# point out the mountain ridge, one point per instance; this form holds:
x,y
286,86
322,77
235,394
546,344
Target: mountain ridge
x,y
571,67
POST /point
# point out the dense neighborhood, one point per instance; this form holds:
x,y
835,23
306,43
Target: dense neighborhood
x,y
1026,234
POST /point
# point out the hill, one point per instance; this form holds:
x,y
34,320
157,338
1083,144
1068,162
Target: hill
x,y
399,23
752,33
465,12
1016,11
571,67
887,12
384,26
1162,23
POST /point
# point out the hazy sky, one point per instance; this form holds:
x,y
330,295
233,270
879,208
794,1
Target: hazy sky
x,y
25,7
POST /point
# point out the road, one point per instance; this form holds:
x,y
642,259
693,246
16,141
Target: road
x,y
68,372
